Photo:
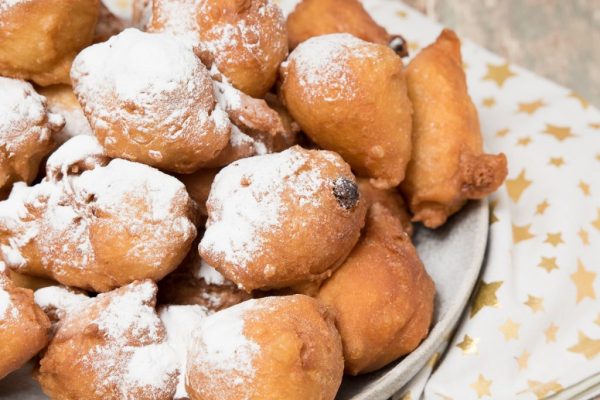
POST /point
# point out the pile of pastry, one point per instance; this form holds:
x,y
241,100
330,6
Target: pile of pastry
x,y
208,199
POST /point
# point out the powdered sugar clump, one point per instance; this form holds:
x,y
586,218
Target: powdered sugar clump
x,y
84,150
60,299
210,275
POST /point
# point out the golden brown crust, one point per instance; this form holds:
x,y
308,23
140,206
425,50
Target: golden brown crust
x,y
350,96
390,199
24,328
320,17
448,166
382,296
298,357
43,52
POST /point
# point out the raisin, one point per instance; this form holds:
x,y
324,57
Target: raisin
x,y
346,193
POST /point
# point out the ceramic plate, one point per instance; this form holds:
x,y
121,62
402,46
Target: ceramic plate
x,y
453,256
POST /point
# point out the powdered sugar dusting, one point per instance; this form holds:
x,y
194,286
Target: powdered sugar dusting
x,y
210,275
177,17
59,299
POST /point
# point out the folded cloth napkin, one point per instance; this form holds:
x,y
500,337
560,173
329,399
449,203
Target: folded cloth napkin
x,y
532,329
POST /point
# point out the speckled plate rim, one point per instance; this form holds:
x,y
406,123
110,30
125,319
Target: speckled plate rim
x,y
390,383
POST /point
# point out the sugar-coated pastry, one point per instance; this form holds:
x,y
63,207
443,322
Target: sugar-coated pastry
x,y
40,38
61,100
27,128
149,99
320,17
112,19
382,296
350,96
282,219
24,328
113,346
198,185
448,165
244,39
97,224
196,282
390,198
272,348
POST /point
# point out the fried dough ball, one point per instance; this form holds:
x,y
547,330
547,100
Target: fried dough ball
x,y
62,100
113,346
26,132
24,328
448,165
320,17
95,224
272,348
149,99
390,198
350,96
382,296
245,40
196,282
40,38
282,219
198,186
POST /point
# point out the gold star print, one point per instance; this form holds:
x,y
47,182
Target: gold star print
x,y
586,346
468,345
406,396
523,360
585,188
502,132
559,132
524,141
485,296
521,233
535,303
482,386
554,239
598,157
543,389
583,235
596,222
498,73
433,360
584,103
550,333
489,102
413,46
548,263
401,14
493,217
510,330
540,209
517,186
584,282
531,107
556,161
594,125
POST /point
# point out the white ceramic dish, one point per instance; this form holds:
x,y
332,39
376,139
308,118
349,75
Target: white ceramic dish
x,y
453,256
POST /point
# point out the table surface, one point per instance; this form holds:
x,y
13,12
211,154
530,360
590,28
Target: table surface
x,y
557,39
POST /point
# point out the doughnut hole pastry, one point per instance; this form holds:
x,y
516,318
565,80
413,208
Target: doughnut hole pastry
x,y
198,185
113,346
448,165
390,198
61,100
245,40
382,296
26,132
40,38
97,224
320,17
349,96
272,348
24,328
282,219
149,99
196,282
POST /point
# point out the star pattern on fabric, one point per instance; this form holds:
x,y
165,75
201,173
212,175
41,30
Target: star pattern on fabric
x,y
585,188
586,346
554,239
584,103
485,296
596,222
521,233
499,73
548,263
482,386
559,132
536,304
517,186
468,345
584,236
523,360
510,330
493,217
550,333
531,107
556,161
488,102
541,208
524,141
543,389
502,132
584,282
